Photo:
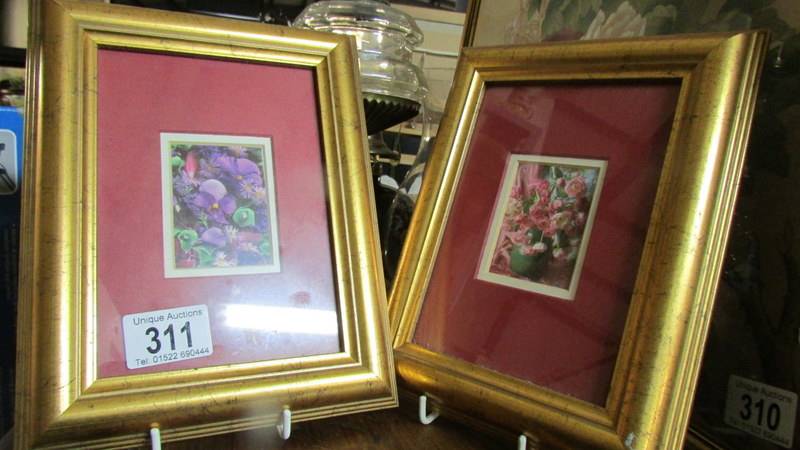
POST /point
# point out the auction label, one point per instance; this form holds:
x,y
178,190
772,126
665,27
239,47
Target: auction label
x,y
167,335
761,410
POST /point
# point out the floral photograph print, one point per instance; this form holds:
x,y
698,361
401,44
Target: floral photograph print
x,y
541,224
218,205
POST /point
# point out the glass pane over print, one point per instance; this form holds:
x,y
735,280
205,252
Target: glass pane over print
x,y
213,242
541,224
553,204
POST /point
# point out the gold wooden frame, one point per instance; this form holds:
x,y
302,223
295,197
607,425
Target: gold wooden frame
x,y
470,23
61,402
657,365
473,15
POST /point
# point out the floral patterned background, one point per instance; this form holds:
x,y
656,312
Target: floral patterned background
x,y
545,20
755,332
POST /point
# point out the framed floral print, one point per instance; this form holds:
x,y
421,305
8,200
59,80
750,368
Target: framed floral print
x,y
541,223
565,250
198,213
219,204
754,310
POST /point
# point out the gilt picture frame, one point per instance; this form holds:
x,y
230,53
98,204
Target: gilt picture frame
x,y
488,26
615,366
194,257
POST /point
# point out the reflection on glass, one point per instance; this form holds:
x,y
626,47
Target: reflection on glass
x,y
281,319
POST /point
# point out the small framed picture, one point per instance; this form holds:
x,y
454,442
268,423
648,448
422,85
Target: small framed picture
x,y
541,223
218,205
562,261
199,246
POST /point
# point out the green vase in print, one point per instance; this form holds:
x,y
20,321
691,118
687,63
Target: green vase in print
x,y
527,264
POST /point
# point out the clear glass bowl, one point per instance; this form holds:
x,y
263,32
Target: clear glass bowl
x,y
385,38
394,91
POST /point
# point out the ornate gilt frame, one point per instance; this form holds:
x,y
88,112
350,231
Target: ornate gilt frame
x,y
60,401
470,23
659,357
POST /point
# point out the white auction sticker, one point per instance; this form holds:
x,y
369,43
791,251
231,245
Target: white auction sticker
x,y
762,410
167,335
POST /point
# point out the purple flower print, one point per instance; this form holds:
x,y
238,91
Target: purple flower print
x,y
244,174
183,184
215,237
215,201
220,206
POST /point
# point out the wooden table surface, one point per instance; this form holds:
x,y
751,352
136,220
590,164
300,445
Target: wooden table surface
x,y
388,429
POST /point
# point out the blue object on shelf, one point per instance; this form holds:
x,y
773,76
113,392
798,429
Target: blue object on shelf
x,y
11,145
